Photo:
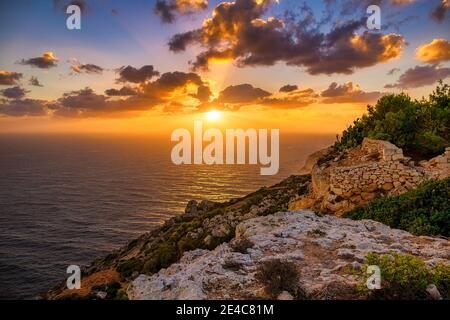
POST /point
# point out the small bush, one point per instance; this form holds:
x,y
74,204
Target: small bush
x,y
162,257
127,268
420,128
188,244
404,277
242,245
278,276
422,211
121,295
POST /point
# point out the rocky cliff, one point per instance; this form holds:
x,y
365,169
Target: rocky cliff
x,y
231,250
324,250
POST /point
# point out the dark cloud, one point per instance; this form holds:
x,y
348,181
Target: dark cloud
x,y
14,92
393,71
170,87
203,94
87,103
46,61
134,75
235,97
34,81
25,107
440,12
288,88
348,93
163,87
167,10
420,76
83,99
238,32
63,4
122,92
179,42
292,100
88,68
9,78
242,94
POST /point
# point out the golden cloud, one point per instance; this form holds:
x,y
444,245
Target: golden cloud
x,y
436,51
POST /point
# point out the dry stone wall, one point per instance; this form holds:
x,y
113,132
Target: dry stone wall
x,y
363,174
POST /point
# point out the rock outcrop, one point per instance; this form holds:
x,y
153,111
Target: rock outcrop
x,y
357,177
323,249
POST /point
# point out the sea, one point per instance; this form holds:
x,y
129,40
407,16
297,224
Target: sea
x,y
69,199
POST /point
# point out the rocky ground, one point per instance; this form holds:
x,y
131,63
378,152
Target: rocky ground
x,y
323,249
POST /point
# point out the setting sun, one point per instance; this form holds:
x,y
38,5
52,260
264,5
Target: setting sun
x,y
214,115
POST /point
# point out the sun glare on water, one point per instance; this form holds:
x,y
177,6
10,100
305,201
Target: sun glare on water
x,y
214,115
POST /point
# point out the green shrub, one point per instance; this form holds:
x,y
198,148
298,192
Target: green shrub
x,y
121,295
163,256
422,211
278,276
432,143
188,244
421,128
404,277
127,268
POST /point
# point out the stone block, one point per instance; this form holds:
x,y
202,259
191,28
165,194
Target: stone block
x,y
388,186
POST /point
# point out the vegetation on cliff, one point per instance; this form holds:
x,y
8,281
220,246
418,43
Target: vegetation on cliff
x,y
189,233
419,127
405,277
422,211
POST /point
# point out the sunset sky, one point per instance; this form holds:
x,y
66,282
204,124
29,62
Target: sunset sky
x,y
150,66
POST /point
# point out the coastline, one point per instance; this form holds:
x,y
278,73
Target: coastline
x,y
218,219
208,228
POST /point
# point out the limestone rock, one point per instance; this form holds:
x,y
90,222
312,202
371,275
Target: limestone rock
x,y
311,161
434,292
321,256
191,208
